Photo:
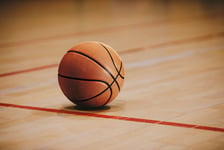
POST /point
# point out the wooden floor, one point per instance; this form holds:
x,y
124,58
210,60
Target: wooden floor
x,y
173,96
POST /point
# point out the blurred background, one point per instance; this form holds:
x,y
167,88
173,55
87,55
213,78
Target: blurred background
x,y
55,25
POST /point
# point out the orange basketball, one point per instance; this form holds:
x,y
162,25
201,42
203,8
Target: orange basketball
x,y
91,74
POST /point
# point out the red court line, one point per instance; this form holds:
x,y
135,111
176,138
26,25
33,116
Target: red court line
x,y
177,42
28,70
104,30
140,120
159,45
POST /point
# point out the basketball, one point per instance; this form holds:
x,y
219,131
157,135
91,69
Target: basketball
x,y
91,74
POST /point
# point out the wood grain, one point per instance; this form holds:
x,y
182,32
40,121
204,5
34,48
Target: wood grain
x,y
173,96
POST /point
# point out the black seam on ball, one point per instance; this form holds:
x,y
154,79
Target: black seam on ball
x,y
87,99
97,62
111,59
108,86
112,84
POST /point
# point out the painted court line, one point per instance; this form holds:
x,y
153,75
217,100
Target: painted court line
x,y
165,44
17,89
140,120
177,42
138,64
29,70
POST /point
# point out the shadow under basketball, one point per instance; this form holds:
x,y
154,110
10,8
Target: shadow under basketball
x,y
80,108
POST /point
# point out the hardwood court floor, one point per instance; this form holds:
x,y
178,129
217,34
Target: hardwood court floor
x,y
173,96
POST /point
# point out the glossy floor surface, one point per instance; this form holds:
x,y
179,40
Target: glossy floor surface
x,y
173,96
